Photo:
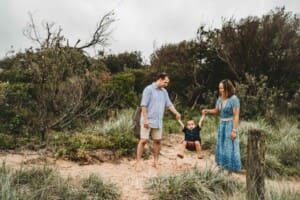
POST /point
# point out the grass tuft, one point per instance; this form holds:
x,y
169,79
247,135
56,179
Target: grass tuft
x,y
194,184
39,183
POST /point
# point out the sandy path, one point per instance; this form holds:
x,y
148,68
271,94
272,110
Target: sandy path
x,y
123,173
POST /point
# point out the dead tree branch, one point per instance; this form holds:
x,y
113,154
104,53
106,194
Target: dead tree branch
x,y
102,32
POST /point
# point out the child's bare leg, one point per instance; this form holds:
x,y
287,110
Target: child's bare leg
x,y
198,149
182,149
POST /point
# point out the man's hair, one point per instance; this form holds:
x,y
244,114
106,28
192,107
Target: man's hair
x,y
162,75
228,87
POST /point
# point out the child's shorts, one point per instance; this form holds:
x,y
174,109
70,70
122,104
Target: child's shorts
x,y
191,145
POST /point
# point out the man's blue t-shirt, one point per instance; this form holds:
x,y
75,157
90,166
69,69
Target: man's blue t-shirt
x,y
192,135
155,100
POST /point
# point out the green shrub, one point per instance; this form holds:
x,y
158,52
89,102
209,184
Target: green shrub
x,y
273,168
280,194
7,141
77,146
122,85
289,138
7,191
209,133
45,183
41,183
97,189
282,152
171,126
119,133
194,184
122,144
121,122
33,176
115,135
257,97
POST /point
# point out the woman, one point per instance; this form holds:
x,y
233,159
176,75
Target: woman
x,y
228,149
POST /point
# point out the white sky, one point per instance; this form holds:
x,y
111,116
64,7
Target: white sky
x,y
141,24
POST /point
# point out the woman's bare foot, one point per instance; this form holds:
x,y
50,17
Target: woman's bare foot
x,y
200,157
229,173
180,155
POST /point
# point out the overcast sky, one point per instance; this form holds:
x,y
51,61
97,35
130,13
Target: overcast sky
x,y
141,25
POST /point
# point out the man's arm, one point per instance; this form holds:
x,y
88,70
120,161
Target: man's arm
x,y
145,101
201,120
175,112
144,113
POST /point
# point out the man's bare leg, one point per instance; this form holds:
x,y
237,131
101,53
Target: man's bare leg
x,y
156,149
182,149
198,149
139,153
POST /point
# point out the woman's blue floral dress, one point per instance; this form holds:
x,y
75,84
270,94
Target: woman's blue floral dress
x,y
228,151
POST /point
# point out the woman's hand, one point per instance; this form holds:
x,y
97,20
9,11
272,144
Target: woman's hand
x,y
233,135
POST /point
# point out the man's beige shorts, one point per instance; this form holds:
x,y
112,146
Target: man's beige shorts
x,y
156,133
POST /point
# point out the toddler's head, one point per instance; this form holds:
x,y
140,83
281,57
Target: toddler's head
x,y
190,124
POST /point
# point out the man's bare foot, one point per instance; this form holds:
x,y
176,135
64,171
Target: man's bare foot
x,y
229,173
200,157
138,166
155,164
180,155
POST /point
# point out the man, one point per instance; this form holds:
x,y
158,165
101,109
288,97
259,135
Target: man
x,y
154,100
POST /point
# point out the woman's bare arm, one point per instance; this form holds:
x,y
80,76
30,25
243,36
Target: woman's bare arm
x,y
213,111
236,118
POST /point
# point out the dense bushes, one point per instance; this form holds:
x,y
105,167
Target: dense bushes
x,y
58,89
257,99
115,135
260,54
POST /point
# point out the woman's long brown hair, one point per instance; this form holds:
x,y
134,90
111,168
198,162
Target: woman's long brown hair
x,y
228,87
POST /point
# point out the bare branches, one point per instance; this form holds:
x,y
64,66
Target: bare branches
x,y
52,37
55,38
48,28
102,32
31,31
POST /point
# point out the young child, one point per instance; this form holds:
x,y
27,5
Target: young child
x,y
192,138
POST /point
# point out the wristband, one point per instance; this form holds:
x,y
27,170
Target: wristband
x,y
234,130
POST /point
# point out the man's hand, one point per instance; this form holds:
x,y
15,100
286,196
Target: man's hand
x,y
178,116
146,124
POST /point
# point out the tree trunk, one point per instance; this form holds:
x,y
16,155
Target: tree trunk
x,y
256,165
